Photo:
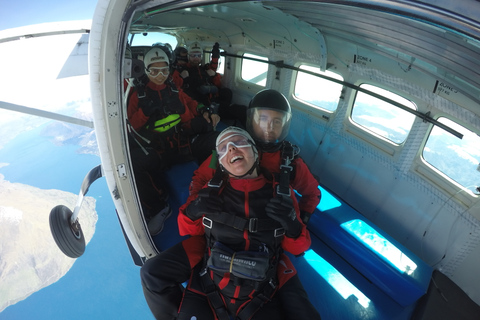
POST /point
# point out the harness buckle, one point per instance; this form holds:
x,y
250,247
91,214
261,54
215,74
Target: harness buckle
x,y
253,225
215,184
272,283
207,222
286,167
281,191
278,232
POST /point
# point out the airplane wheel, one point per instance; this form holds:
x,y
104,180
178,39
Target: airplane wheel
x,y
69,238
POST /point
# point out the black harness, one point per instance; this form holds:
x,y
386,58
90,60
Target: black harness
x,y
264,289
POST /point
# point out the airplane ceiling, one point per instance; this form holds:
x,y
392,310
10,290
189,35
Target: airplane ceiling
x,y
443,43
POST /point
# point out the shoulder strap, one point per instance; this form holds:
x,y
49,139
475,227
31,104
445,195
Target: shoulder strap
x,y
288,153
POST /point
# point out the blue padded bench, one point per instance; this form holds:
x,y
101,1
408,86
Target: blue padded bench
x,y
354,242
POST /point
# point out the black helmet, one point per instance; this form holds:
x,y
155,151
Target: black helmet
x,y
268,119
180,53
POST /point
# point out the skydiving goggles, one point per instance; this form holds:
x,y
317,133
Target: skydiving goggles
x,y
236,140
155,71
195,55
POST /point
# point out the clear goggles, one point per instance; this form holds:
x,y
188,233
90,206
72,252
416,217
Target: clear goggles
x,y
156,71
195,55
238,141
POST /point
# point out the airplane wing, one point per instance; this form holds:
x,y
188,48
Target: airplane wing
x,y
75,65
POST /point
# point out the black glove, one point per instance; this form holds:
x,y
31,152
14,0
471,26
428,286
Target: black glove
x,y
216,50
200,125
205,203
305,216
282,210
147,106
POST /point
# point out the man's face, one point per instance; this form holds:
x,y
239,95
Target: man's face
x,y
184,60
268,125
235,153
194,58
158,72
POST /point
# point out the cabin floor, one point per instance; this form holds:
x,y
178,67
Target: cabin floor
x,y
334,286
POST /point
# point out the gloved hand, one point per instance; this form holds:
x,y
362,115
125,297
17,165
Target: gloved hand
x,y
305,216
204,204
200,125
282,210
216,50
147,106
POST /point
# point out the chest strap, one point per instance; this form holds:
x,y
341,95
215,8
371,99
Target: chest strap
x,y
252,225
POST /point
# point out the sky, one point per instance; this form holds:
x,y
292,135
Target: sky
x,y
20,13
15,14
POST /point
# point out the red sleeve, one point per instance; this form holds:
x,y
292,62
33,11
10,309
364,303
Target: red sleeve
x,y
135,115
186,226
306,184
177,79
303,241
200,178
213,65
190,108
217,80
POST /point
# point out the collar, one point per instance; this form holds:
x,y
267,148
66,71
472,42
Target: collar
x,y
156,87
248,184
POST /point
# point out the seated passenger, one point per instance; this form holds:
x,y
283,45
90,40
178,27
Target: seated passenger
x,y
202,82
181,60
268,122
167,129
236,252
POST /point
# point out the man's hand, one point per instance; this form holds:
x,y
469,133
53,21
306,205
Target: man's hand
x,y
282,210
216,50
214,119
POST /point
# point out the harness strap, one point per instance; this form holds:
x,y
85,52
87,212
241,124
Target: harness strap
x,y
217,180
258,301
213,296
288,153
252,225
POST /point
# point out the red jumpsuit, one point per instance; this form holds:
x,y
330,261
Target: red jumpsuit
x,y
243,198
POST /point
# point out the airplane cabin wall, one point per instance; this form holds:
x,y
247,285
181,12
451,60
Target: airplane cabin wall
x,y
396,198
383,182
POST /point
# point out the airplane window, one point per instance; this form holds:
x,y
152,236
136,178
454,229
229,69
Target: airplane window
x,y
363,232
381,117
459,159
255,71
316,91
221,62
150,38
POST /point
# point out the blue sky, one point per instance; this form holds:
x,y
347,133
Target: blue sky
x,y
104,283
20,13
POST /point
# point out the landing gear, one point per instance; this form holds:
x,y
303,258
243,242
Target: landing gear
x,y
64,225
69,237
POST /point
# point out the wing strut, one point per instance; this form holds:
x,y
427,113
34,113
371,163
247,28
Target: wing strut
x,y
45,114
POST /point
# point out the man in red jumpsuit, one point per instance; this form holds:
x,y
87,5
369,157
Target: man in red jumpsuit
x,y
168,119
268,122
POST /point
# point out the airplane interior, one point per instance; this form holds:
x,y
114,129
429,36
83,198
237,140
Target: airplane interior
x,y
385,100
378,95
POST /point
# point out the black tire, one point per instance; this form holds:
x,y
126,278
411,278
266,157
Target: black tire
x,y
69,238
